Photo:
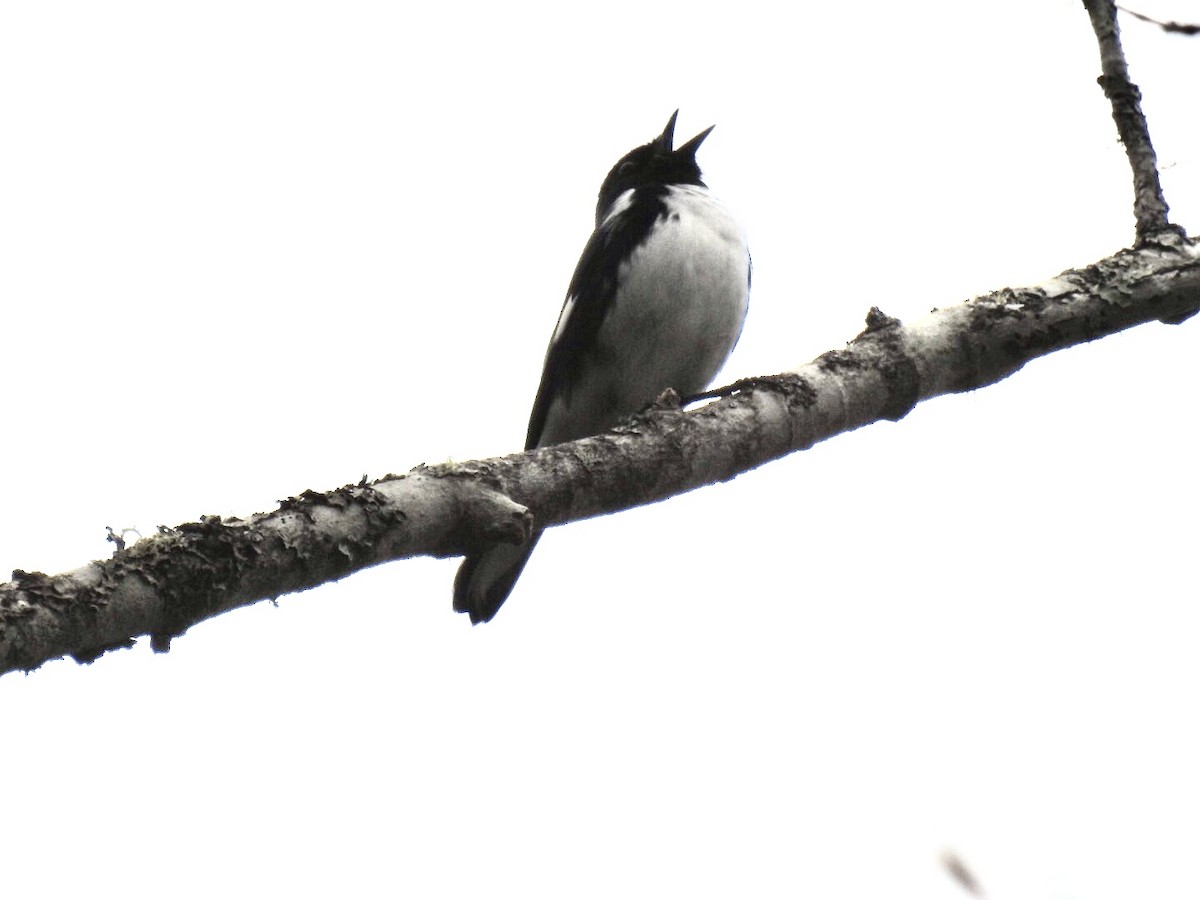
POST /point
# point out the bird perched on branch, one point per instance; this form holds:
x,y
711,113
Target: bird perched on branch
x,y
657,301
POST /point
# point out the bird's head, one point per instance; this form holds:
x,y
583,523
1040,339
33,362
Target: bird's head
x,y
654,163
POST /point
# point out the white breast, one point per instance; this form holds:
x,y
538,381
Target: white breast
x,y
682,296
680,303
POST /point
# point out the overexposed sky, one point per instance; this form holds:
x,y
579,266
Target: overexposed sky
x,y
252,248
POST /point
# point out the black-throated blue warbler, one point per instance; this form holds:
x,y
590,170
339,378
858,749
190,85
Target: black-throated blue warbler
x,y
657,301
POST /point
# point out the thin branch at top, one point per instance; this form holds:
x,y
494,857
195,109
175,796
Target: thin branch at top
x,y
1175,27
1149,205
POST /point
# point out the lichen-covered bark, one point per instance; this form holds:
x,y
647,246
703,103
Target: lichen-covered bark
x,y
164,584
1149,204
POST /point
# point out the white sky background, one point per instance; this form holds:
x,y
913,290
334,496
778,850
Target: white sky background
x,y
251,248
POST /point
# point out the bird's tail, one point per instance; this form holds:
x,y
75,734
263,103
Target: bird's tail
x,y
486,578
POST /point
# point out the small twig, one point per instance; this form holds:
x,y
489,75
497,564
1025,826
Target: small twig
x,y
1149,206
1174,27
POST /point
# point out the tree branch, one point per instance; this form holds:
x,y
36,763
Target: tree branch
x,y
164,584
1149,206
1184,28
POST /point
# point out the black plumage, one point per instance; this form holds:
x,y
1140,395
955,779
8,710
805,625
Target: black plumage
x,y
656,301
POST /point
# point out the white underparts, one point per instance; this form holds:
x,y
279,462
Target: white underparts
x,y
680,303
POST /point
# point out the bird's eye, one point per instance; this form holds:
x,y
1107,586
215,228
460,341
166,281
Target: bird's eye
x,y
626,167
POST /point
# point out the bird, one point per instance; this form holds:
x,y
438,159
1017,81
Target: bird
x,y
657,300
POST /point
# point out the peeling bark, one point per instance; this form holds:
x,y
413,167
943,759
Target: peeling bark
x,y
164,584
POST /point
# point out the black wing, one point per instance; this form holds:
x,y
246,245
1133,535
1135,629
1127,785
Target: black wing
x,y
589,299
